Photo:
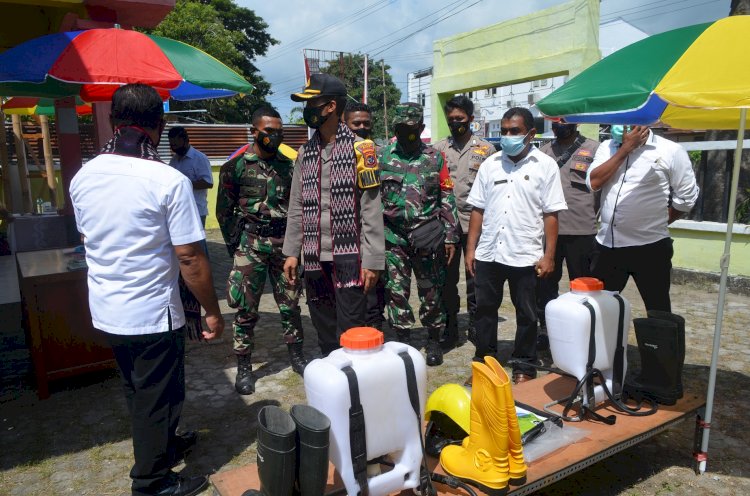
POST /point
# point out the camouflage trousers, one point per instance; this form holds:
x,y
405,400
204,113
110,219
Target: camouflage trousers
x,y
429,270
245,287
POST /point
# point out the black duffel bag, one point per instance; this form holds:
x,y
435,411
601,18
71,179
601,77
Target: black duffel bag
x,y
430,236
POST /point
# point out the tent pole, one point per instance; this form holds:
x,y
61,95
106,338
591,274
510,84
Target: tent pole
x,y
722,290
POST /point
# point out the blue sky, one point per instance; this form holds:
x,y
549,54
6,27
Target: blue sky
x,y
340,25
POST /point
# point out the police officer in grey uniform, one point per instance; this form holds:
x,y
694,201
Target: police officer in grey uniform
x,y
464,152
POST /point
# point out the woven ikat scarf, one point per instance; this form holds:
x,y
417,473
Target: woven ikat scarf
x,y
133,141
344,210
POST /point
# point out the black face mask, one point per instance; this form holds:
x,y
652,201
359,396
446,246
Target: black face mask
x,y
182,151
269,143
563,131
313,116
362,132
407,136
458,128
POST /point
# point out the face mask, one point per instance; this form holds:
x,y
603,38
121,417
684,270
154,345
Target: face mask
x,y
563,131
458,128
617,131
513,145
269,143
407,135
362,132
181,151
313,116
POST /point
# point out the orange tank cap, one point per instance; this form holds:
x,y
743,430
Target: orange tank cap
x,y
362,338
586,284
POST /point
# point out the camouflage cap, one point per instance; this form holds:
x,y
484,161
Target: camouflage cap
x,y
408,113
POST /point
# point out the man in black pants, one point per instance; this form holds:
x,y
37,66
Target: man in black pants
x,y
335,215
647,182
141,229
516,197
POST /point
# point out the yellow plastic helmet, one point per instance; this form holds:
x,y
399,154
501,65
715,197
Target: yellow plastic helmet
x,y
447,411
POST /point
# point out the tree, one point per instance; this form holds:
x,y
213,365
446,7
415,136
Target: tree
x,y
232,34
349,68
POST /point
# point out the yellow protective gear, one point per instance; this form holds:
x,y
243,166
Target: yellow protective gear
x,y
453,401
368,173
517,470
288,151
482,459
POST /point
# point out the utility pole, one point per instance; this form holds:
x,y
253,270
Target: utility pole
x,y
385,101
367,73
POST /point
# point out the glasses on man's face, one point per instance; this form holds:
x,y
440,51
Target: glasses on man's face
x,y
309,104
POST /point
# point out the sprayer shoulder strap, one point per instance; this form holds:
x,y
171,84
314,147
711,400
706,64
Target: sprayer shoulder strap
x,y
617,378
592,351
357,433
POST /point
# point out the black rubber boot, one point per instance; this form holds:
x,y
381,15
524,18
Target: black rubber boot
x,y
297,358
313,429
433,350
659,350
450,336
276,453
680,321
244,383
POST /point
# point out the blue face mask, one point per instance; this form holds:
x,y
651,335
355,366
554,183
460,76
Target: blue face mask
x,y
513,145
616,130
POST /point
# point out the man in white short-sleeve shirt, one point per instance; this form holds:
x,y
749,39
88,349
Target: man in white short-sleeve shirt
x,y
515,199
647,182
141,230
194,165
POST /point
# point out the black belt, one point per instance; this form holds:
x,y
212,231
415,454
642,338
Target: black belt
x,y
273,229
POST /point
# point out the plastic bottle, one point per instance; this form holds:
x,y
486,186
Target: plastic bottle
x,y
569,330
391,424
39,206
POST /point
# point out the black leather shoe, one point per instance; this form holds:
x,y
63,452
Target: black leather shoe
x,y
179,486
434,354
183,444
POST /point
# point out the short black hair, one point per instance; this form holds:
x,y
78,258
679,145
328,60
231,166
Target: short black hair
x,y
137,105
177,132
355,106
524,113
264,111
460,102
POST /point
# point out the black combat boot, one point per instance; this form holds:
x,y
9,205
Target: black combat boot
x,y
659,350
276,453
450,336
680,321
297,358
433,350
244,383
312,450
402,335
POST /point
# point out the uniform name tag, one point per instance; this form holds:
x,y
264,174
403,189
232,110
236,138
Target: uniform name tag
x,y
501,181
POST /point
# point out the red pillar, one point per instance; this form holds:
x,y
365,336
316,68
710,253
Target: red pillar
x,y
69,145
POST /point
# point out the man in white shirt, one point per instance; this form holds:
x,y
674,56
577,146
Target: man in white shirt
x,y
194,165
515,197
141,229
647,182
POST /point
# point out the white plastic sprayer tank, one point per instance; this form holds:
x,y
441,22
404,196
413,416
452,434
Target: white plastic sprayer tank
x,y
569,329
391,424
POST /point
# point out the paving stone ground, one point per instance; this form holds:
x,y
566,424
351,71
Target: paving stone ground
x,y
78,441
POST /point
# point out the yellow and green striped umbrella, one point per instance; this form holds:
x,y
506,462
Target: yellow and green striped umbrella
x,y
696,77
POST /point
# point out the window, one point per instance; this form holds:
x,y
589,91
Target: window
x,y
490,92
421,99
544,82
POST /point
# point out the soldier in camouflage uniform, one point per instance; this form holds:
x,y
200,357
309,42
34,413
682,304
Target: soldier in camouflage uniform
x,y
252,204
421,231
